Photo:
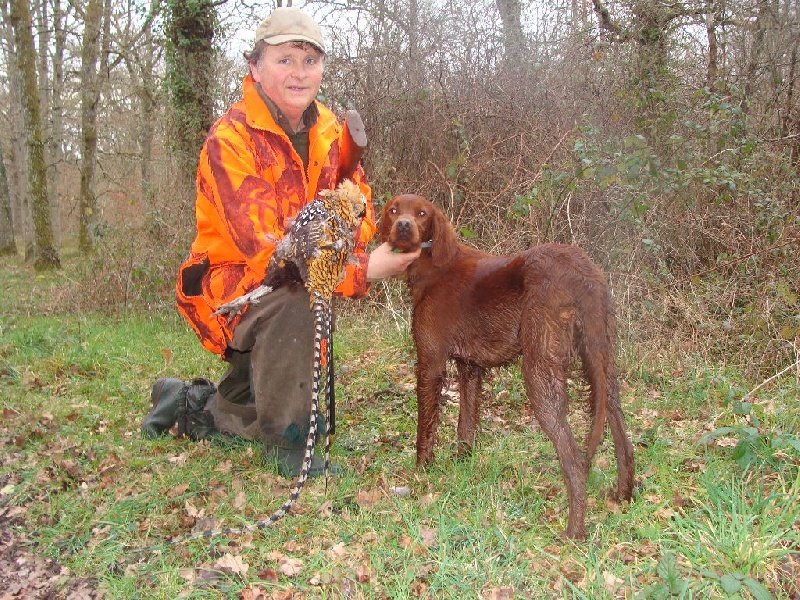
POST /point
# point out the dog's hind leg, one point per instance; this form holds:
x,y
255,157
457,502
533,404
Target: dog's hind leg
x,y
622,444
548,394
470,379
547,346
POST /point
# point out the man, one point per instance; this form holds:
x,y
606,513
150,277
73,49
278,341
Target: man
x,y
263,160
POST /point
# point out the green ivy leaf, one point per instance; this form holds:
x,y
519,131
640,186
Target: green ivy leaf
x,y
730,585
759,591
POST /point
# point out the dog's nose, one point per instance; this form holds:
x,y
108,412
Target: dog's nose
x,y
403,226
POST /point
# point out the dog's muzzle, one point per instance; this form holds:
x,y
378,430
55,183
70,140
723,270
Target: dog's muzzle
x,y
404,228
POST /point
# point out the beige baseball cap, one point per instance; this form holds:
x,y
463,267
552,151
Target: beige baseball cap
x,y
289,24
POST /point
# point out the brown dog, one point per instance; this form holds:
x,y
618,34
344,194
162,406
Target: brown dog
x,y
546,304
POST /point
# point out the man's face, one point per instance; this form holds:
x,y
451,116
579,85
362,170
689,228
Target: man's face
x,y
290,74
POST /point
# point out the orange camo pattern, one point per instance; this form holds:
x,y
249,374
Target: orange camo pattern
x,y
250,183
323,352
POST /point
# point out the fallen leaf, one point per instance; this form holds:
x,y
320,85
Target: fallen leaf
x,y
192,510
504,593
253,592
612,582
367,498
178,460
232,564
268,575
338,550
428,535
168,356
290,566
362,574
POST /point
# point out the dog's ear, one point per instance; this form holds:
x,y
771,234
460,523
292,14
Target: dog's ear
x,y
384,224
444,242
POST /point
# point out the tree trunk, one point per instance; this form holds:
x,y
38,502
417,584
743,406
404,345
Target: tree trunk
x,y
89,98
8,245
45,253
514,43
146,133
712,71
190,53
16,169
47,89
790,127
57,116
757,48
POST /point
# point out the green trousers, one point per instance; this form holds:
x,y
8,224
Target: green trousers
x,y
266,392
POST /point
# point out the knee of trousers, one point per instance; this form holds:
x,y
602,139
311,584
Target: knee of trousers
x,y
281,366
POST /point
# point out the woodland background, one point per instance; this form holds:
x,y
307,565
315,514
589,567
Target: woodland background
x,y
664,138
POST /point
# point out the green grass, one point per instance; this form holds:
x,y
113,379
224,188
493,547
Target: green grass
x,y
715,515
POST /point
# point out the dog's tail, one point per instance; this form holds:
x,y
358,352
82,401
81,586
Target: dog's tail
x,y
598,400
597,347
598,339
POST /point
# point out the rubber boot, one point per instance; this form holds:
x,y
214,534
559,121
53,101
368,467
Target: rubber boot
x,y
168,396
193,420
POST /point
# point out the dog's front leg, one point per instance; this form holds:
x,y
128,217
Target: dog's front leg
x,y
430,379
470,380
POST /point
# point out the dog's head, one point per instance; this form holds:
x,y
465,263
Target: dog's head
x,y
405,222
409,222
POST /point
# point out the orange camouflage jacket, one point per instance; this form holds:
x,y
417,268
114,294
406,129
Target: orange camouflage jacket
x,y
250,183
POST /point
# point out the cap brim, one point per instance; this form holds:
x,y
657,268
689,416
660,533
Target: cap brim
x,y
276,40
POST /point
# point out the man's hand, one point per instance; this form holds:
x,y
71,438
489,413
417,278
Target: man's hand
x,y
383,262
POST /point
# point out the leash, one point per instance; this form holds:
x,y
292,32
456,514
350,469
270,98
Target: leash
x,y
331,389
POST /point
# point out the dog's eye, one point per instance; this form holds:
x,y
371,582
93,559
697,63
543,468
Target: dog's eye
x,y
421,213
393,210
